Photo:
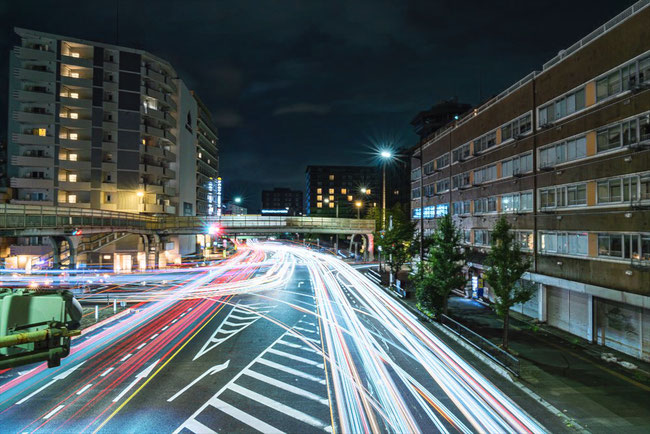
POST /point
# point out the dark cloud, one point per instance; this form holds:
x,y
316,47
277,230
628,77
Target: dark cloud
x,y
297,82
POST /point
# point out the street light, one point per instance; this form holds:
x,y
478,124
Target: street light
x,y
237,199
358,205
385,156
139,194
326,200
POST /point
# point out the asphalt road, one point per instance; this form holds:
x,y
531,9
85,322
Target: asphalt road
x,y
276,339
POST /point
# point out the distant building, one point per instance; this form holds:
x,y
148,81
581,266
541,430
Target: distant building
x,y
234,209
282,199
329,188
428,121
398,180
564,155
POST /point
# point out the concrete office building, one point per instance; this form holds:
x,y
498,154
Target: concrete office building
x,y
207,161
565,155
279,199
332,188
99,126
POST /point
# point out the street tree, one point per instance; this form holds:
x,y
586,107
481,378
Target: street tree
x,y
506,264
396,241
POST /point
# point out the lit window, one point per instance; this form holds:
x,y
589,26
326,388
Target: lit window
x,y
63,115
72,157
72,177
350,198
74,74
74,54
73,136
208,161
331,198
42,132
368,191
344,191
72,198
331,177
144,142
74,95
319,205
319,190
319,197
200,155
331,191
331,205
74,115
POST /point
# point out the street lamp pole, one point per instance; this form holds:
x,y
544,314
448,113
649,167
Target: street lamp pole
x,y
385,155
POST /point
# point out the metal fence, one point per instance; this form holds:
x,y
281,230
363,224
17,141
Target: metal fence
x,y
501,357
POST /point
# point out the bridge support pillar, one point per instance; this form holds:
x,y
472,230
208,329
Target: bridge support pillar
x,y
57,249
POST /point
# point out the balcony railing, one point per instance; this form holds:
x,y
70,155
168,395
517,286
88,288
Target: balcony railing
x,y
31,54
30,96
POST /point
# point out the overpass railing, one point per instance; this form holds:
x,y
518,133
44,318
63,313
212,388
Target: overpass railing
x,y
16,217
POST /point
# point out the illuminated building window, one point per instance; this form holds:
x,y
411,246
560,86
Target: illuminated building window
x,y
368,191
74,115
319,197
74,74
74,95
200,155
331,191
331,197
72,157
72,177
331,177
73,136
344,191
331,205
144,142
42,132
72,198
319,190
350,198
74,54
319,205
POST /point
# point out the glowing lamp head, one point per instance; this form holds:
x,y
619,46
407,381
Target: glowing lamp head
x,y
139,194
215,230
386,154
357,204
364,190
238,199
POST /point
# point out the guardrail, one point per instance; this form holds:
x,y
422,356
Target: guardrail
x,y
504,359
16,217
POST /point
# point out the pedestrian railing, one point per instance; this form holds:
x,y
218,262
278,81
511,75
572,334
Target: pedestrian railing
x,y
501,357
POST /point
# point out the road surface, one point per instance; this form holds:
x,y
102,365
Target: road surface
x,y
277,339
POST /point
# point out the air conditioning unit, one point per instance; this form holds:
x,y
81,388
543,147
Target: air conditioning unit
x,y
546,125
643,144
517,173
546,167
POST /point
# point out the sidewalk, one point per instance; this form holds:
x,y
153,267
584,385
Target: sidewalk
x,y
569,372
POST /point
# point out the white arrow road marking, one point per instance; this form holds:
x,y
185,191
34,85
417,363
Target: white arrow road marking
x,y
138,377
213,370
300,283
61,376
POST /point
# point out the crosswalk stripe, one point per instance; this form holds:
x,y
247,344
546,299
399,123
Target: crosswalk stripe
x,y
197,427
304,329
297,358
289,370
284,409
244,417
302,347
316,341
285,386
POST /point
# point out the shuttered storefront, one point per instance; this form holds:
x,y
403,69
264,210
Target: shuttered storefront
x,y
623,327
568,311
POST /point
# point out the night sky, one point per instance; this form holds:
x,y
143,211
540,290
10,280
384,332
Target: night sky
x,y
292,83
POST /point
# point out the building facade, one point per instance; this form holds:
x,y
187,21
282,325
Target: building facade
x,y
100,126
207,161
348,191
564,154
282,199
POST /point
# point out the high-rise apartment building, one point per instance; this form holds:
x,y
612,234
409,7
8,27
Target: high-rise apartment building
x,y
565,155
348,191
207,161
94,125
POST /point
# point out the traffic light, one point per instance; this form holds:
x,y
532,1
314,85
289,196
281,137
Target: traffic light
x,y
77,232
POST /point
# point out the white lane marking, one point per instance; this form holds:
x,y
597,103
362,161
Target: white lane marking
x,y
174,320
301,347
252,315
300,337
284,409
154,336
287,387
53,412
304,330
244,417
125,357
182,315
83,389
141,345
105,373
213,370
197,427
289,370
138,377
164,328
61,376
297,358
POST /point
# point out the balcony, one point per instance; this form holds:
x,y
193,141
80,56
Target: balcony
x,y
169,191
74,186
110,85
159,78
167,99
161,116
76,123
74,144
151,170
170,209
110,66
78,61
169,173
33,118
29,96
31,139
71,81
32,202
109,186
31,54
31,183
21,160
34,75
74,165
76,102
157,132
110,106
150,208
